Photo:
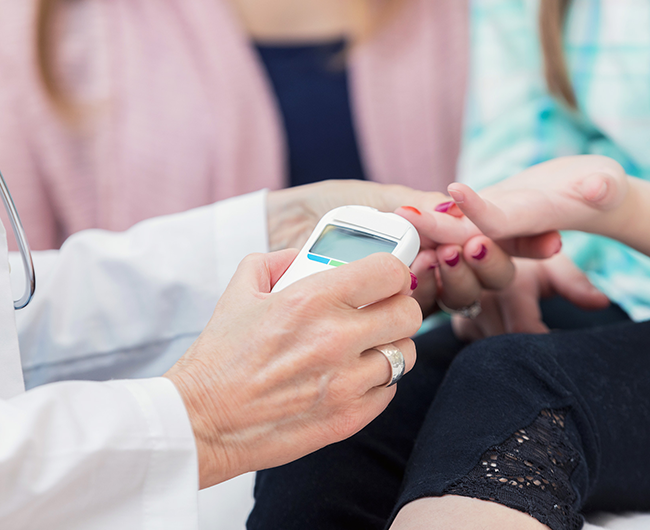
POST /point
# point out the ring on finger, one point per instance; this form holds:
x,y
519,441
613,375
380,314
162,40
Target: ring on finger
x,y
470,311
396,360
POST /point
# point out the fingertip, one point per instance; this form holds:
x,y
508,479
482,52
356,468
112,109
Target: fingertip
x,y
457,192
477,248
449,255
401,277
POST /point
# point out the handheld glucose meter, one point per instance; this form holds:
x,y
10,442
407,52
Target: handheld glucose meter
x,y
350,233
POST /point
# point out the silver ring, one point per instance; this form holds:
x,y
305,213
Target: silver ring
x,y
395,359
469,311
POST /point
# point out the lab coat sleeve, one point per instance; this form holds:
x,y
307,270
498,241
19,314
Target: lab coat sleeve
x,y
119,454
90,456
128,305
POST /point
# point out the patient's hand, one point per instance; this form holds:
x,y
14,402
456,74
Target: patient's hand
x,y
572,193
515,309
293,214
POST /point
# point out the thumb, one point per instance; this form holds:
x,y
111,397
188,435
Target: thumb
x,y
260,272
571,283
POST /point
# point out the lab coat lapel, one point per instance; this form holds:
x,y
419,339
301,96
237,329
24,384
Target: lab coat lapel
x,y
11,374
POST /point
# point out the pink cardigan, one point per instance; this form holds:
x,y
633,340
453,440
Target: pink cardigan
x,y
183,114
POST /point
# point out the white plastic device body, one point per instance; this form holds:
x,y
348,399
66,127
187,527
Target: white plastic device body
x,y
349,233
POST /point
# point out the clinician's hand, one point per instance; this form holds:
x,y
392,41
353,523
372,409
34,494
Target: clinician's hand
x,y
276,376
294,212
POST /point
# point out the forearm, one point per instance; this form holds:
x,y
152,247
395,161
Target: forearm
x,y
123,305
92,454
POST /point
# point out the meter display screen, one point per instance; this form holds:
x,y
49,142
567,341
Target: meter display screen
x,y
346,245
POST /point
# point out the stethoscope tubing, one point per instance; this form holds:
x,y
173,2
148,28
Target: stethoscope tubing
x,y
23,245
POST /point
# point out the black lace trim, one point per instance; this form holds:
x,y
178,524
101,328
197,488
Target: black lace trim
x,y
529,472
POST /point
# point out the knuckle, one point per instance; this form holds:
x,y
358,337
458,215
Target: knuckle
x,y
412,314
252,259
520,327
297,300
347,422
391,269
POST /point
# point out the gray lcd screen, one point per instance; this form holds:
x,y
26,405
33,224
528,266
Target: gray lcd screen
x,y
345,244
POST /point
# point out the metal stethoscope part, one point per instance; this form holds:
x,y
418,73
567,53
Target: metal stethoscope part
x,y
23,245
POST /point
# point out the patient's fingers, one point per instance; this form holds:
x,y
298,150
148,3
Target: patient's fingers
x,y
438,228
460,286
491,265
490,219
535,247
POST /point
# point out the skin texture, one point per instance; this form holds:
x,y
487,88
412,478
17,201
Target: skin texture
x,y
302,20
452,512
274,377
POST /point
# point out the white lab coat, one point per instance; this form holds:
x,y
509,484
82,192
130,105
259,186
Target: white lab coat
x,y
117,454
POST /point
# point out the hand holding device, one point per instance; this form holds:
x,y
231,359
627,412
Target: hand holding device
x,y
350,233
274,377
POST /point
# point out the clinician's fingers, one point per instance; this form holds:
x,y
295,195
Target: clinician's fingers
x,y
460,287
261,272
401,315
491,265
374,368
362,282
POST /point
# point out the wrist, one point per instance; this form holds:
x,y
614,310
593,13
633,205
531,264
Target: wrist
x,y
288,217
214,464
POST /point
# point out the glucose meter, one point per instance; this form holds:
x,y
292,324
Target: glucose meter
x,y
350,233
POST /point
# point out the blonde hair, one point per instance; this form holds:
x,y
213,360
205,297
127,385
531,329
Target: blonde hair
x,y
552,17
46,52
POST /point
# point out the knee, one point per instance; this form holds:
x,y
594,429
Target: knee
x,y
504,361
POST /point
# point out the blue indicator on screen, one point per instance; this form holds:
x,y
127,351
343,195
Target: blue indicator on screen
x,y
319,259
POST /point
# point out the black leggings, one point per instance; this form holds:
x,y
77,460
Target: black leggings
x,y
552,425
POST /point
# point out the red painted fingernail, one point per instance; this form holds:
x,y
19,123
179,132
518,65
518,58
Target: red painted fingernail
x,y
434,266
481,253
453,261
414,282
412,209
443,207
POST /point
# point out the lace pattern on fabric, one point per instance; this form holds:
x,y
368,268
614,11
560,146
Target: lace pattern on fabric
x,y
529,472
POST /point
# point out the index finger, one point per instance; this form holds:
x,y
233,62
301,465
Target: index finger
x,y
489,218
439,228
367,280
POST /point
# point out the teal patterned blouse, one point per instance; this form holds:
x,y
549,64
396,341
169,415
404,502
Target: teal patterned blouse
x,y
512,122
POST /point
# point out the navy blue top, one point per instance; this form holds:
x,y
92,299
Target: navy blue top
x,y
311,86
